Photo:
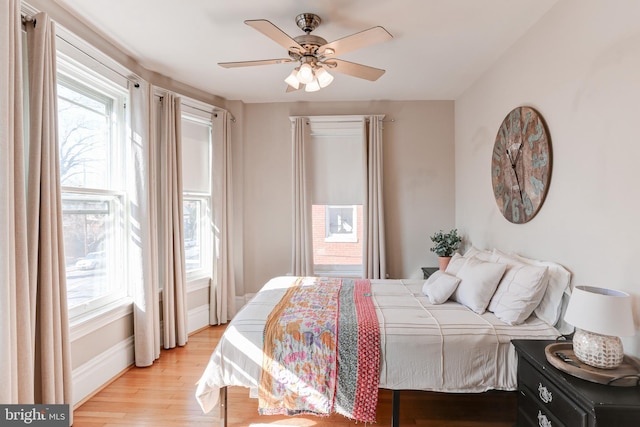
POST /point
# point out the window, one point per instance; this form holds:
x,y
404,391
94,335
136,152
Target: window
x,y
337,192
337,240
341,223
91,130
196,202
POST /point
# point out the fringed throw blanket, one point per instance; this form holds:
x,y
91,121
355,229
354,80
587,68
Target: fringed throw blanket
x,y
322,351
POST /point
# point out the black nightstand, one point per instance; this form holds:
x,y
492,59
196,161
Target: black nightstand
x,y
550,397
428,271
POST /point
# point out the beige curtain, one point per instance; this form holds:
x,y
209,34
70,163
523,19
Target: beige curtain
x,y
144,221
16,352
302,243
222,296
374,239
171,226
47,276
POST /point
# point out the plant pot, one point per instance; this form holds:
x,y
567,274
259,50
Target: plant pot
x,y
443,262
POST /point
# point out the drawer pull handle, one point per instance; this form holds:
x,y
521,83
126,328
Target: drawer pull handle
x,y
545,395
543,421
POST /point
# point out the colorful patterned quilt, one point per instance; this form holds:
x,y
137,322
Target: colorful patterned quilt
x,y
322,351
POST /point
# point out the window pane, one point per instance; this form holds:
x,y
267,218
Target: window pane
x,y
84,134
337,239
89,229
192,210
340,221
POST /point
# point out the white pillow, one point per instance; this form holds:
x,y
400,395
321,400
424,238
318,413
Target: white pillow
x,y
457,260
455,264
519,291
483,254
478,281
439,287
550,306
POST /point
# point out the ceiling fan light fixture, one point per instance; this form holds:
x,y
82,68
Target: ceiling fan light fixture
x,y
324,77
312,86
305,74
292,79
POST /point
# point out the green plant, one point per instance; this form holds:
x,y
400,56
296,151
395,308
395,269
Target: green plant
x,y
445,244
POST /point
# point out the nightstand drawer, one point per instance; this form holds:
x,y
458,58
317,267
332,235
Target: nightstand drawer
x,y
548,397
530,414
570,401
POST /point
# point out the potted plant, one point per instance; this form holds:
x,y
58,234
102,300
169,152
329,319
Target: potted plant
x,y
445,244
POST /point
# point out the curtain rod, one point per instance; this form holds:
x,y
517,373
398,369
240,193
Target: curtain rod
x,y
359,121
366,119
27,18
233,119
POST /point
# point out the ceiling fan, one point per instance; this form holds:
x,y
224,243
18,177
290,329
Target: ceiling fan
x,y
314,54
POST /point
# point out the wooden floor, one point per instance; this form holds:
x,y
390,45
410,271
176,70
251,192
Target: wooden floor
x,y
163,395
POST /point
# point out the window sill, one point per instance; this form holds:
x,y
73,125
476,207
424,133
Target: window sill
x,y
92,321
198,282
346,273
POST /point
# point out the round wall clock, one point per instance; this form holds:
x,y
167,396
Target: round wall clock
x,y
521,165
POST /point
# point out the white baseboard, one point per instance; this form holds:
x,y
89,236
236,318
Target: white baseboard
x,y
198,318
98,371
94,374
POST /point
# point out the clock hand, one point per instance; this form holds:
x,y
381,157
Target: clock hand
x,y
511,159
513,167
517,155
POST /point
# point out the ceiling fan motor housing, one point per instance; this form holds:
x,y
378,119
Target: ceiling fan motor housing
x,y
308,22
309,42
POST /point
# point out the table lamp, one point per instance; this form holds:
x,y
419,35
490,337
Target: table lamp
x,y
600,317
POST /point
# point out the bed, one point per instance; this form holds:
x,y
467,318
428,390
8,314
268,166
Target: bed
x,y
424,344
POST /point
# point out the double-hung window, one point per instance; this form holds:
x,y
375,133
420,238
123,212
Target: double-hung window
x,y
197,131
92,135
337,194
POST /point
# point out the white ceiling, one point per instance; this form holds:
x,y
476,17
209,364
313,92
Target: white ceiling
x,y
440,47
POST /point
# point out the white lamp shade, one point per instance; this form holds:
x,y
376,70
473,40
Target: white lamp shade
x,y
305,75
292,79
324,78
602,311
312,86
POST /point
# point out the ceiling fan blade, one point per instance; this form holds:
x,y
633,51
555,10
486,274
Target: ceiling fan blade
x,y
356,41
252,63
355,70
274,33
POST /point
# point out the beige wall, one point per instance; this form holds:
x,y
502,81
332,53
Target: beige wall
x,y
418,181
579,67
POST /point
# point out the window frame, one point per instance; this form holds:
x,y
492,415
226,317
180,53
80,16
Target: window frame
x,y
196,115
79,78
351,237
339,127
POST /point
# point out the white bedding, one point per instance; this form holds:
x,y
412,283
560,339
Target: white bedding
x,y
446,347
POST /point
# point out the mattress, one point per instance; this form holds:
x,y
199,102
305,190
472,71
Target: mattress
x,y
445,348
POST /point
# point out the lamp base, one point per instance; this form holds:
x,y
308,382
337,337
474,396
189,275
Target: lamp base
x,y
600,351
